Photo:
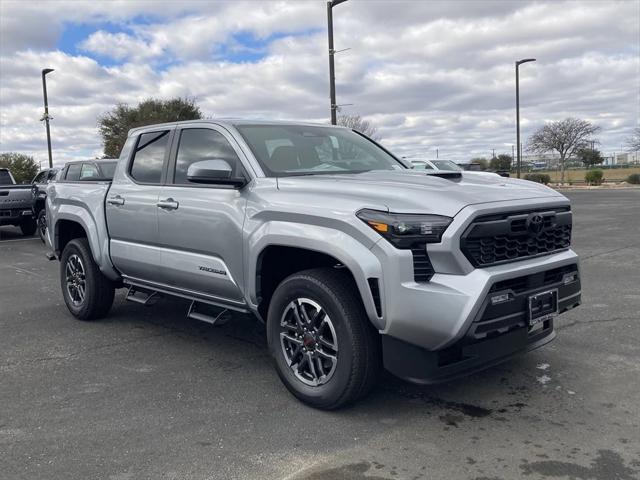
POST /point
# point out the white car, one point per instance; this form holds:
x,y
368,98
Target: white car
x,y
437,165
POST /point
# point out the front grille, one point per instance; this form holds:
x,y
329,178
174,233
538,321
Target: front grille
x,y
509,237
422,268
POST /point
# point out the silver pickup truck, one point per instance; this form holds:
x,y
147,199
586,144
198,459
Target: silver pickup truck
x,y
353,260
16,204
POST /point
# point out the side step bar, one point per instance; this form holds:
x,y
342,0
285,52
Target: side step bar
x,y
143,297
216,315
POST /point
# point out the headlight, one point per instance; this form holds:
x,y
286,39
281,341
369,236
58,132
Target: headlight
x,y
405,230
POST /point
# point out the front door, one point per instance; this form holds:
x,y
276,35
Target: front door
x,y
132,206
200,226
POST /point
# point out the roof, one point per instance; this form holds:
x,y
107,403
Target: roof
x,y
97,160
233,122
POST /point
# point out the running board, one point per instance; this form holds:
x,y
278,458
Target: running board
x,y
218,316
142,297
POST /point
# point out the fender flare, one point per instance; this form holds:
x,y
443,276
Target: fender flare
x,y
355,256
99,244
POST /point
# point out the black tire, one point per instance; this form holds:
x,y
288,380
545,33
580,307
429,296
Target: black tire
x,y
28,226
358,351
98,289
41,223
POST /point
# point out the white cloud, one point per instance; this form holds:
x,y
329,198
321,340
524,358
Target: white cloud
x,y
429,74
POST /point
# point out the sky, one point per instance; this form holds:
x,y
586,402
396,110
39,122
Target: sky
x,y
431,75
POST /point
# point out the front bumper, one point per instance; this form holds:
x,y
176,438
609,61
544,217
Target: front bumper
x,y
418,365
13,216
499,329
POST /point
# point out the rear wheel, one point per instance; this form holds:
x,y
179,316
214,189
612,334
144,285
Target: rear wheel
x,y
42,225
28,226
86,291
326,351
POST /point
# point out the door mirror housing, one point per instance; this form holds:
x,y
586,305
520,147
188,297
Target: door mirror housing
x,y
213,171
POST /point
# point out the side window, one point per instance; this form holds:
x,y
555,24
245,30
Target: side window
x,y
39,178
73,172
149,157
88,171
202,144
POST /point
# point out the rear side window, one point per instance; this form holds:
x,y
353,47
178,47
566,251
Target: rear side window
x,y
149,157
88,172
73,172
198,144
108,169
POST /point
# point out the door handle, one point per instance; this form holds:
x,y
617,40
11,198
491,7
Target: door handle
x,y
168,204
117,200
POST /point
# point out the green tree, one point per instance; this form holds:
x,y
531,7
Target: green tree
x,y
115,125
356,122
22,167
483,162
566,137
501,162
590,157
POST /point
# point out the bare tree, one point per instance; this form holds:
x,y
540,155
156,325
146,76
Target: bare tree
x,y
566,137
633,142
356,122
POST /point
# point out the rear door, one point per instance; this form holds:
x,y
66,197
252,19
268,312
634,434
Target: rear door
x,y
201,227
131,205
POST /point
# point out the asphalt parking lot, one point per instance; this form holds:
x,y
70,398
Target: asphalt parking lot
x,y
148,394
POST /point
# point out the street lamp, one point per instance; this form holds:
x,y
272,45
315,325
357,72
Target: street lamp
x,y
46,112
519,148
332,76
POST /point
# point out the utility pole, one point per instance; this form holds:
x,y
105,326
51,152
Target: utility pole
x,y
332,52
46,112
518,63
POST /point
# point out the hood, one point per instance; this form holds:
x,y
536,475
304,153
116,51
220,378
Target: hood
x,y
409,191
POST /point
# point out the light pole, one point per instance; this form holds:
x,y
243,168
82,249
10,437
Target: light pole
x,y
46,112
332,52
518,63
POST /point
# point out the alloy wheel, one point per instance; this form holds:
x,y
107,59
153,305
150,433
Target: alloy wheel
x,y
76,280
309,342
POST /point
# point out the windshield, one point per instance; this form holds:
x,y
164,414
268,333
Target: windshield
x,y
284,150
446,165
5,178
421,166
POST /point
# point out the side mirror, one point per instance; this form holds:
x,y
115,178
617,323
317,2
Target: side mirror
x,y
216,171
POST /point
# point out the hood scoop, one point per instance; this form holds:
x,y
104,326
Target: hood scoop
x,y
453,176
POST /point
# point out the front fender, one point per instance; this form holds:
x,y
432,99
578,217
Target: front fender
x,y
359,259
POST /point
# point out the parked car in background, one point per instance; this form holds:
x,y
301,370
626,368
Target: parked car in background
x,y
352,260
436,165
15,204
39,195
88,170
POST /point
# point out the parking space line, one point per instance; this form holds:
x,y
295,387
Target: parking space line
x,y
18,240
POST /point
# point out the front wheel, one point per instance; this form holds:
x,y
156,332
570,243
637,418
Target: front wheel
x,y
86,291
325,349
42,225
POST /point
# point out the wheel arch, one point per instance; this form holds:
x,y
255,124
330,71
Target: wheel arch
x,y
75,224
284,251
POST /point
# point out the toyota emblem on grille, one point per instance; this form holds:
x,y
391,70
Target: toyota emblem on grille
x,y
535,222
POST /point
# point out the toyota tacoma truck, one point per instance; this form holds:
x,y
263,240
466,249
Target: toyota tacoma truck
x,y
15,204
353,260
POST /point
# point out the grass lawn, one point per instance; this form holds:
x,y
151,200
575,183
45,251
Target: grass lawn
x,y
610,174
